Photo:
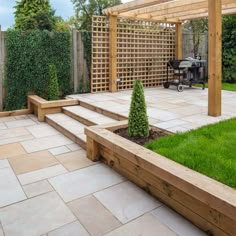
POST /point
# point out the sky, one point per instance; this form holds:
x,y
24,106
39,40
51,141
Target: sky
x,y
63,8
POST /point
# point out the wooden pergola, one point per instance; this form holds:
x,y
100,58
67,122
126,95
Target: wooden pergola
x,y
177,11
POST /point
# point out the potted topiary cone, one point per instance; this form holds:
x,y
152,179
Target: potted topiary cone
x,y
138,125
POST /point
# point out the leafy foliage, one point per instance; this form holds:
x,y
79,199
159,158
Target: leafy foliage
x,y
229,48
138,121
198,27
35,14
28,56
86,9
53,87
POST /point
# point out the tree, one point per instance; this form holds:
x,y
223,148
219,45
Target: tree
x,y
85,9
53,87
229,48
35,14
197,27
138,125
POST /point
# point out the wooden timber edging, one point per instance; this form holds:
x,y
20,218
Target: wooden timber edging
x,y
42,107
207,203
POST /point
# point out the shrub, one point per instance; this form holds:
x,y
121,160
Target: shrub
x,y
53,87
138,121
28,56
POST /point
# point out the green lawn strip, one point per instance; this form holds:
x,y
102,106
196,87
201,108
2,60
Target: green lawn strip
x,y
225,86
210,150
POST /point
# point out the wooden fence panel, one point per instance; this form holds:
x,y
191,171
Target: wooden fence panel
x,y
2,65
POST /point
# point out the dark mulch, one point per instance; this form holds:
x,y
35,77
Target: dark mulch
x,y
154,134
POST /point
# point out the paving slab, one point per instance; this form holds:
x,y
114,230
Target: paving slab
x,y
38,188
72,229
10,189
85,181
19,123
146,225
11,150
44,143
59,150
176,222
126,201
75,160
35,216
42,130
73,147
102,221
31,162
41,174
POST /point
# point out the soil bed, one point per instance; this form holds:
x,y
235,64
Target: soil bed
x,y
154,134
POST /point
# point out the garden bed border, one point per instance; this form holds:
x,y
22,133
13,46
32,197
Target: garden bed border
x,y
208,204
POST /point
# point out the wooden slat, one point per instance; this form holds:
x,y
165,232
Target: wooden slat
x,y
15,113
113,54
214,58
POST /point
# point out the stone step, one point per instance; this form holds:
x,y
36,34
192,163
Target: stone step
x,y
68,126
87,116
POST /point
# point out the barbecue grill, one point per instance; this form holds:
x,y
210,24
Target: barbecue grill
x,y
186,72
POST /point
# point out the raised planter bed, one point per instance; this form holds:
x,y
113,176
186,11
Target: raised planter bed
x,y
207,203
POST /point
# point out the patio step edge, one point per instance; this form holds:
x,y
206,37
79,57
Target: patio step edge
x,y
110,114
75,138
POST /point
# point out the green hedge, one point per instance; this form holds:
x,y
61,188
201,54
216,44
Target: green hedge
x,y
28,56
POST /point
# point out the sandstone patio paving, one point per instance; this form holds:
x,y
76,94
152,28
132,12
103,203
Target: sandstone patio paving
x,y
103,220
72,229
146,225
34,176
75,160
10,189
37,188
175,222
45,143
126,201
35,216
34,161
83,182
48,185
11,150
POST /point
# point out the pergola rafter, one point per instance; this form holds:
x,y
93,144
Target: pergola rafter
x,y
177,11
168,9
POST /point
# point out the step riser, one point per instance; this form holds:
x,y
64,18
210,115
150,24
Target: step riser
x,y
78,118
67,133
104,112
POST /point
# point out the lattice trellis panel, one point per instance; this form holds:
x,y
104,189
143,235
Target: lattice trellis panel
x,y
100,54
143,49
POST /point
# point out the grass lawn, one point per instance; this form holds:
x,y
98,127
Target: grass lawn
x,y
225,86
210,150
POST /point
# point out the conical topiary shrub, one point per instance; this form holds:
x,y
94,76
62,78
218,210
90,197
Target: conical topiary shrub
x,y
138,121
53,87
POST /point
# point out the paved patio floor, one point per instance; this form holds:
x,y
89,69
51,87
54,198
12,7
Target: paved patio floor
x,y
49,187
167,108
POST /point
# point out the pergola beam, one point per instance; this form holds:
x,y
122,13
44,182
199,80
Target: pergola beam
x,y
132,6
171,10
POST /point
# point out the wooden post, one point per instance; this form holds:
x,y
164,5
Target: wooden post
x,y
214,57
178,35
113,54
75,60
92,149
